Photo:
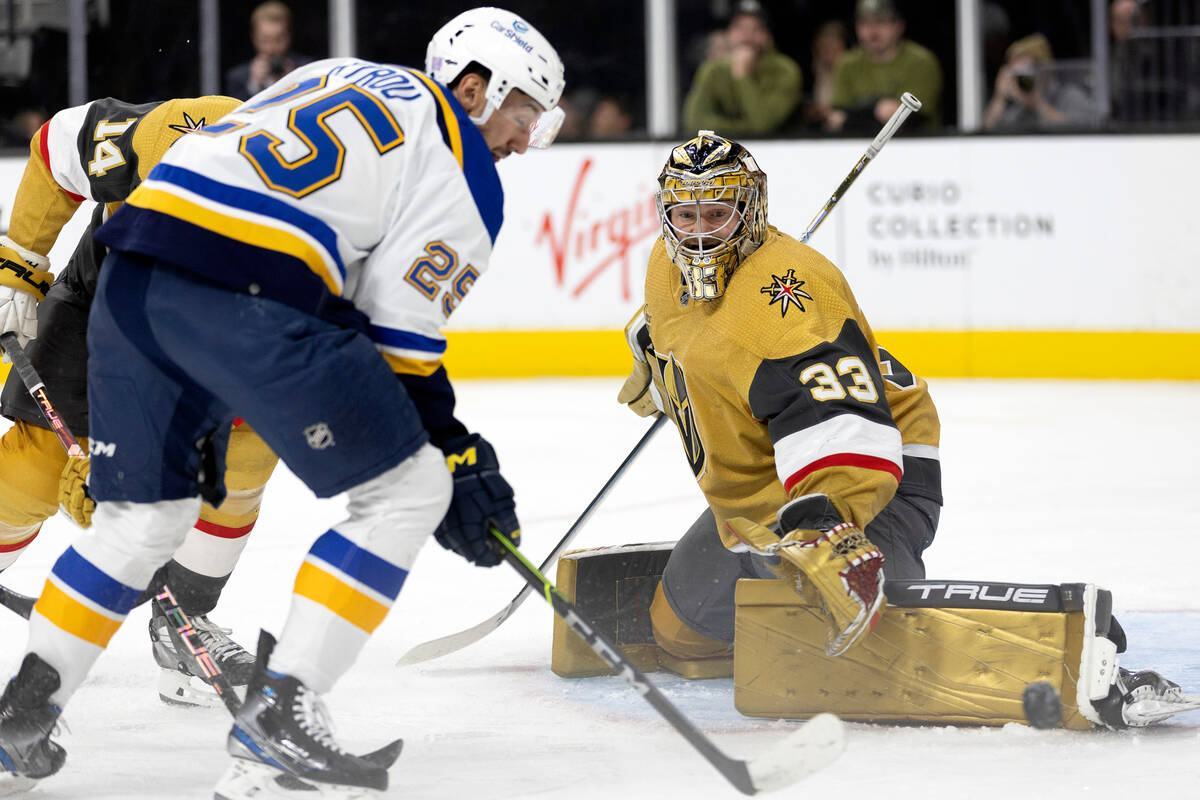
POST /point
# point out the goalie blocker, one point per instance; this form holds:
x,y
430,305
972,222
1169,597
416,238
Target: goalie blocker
x,y
946,652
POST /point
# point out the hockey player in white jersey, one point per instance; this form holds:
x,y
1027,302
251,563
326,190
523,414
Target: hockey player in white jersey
x,y
338,217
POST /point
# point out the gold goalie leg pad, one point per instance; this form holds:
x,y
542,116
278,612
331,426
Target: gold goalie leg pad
x,y
927,661
612,587
617,590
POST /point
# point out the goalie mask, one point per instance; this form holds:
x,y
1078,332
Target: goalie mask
x,y
712,201
514,52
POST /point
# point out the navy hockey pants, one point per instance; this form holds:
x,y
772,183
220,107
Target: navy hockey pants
x,y
173,360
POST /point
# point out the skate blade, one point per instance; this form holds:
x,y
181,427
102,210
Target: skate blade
x,y
1141,713
253,780
177,689
15,784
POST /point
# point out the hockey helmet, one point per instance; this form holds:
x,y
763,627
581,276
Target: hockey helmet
x,y
516,54
704,175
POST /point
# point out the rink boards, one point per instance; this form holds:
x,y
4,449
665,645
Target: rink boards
x,y
1052,256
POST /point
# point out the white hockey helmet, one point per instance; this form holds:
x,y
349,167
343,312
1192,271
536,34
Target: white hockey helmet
x,y
513,51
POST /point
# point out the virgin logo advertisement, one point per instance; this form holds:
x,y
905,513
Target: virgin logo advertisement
x,y
592,235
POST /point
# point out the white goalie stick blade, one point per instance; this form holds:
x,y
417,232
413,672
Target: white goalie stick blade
x,y
457,641
444,646
815,746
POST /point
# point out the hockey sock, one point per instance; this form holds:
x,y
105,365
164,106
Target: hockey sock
x,y
354,572
14,540
97,581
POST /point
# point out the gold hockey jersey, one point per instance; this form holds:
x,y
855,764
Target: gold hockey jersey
x,y
97,151
779,390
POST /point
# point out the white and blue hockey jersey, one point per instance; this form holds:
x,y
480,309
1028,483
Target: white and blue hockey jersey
x,y
357,192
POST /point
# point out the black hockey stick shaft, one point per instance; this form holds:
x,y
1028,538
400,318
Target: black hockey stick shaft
x,y
17,603
908,104
186,637
736,771
37,390
436,648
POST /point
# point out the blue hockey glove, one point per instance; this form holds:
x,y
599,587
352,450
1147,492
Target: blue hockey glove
x,y
482,498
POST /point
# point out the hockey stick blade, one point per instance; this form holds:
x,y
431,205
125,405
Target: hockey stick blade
x,y
16,602
445,645
816,744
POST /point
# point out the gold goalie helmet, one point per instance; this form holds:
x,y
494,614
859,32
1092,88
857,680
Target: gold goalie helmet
x,y
712,201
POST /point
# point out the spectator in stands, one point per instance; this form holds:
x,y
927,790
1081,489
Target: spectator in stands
x,y
611,118
871,77
271,35
752,91
1136,89
828,47
1029,96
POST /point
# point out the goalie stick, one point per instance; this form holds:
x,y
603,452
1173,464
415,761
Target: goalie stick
x,y
817,743
436,648
19,603
908,104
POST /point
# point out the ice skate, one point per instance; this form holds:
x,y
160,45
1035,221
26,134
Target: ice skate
x,y
1138,699
181,680
282,746
27,719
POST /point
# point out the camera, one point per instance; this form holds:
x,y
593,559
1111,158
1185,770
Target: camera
x,y
277,68
1026,81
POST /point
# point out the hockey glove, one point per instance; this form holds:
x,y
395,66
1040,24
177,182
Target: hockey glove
x,y
640,391
24,282
482,499
831,563
73,491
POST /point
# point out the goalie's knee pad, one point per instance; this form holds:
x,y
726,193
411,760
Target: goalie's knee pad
x,y
394,513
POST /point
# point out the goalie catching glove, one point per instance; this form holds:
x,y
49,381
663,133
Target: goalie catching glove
x,y
831,563
482,500
24,281
73,494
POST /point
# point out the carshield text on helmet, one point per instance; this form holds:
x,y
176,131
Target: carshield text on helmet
x,y
516,54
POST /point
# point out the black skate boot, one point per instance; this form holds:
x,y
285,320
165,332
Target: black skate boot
x,y
282,745
182,681
1138,699
27,719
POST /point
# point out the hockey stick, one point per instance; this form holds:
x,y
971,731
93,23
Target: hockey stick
x,y
184,634
186,637
37,390
437,648
908,104
815,745
19,603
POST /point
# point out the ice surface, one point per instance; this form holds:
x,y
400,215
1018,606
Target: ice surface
x,y
1045,482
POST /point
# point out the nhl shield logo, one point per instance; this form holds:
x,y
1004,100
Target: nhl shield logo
x,y
319,436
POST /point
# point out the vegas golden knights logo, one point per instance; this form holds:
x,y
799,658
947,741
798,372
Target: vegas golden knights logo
x,y
671,374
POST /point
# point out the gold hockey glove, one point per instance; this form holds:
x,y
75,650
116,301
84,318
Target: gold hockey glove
x,y
640,391
831,563
73,492
24,281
